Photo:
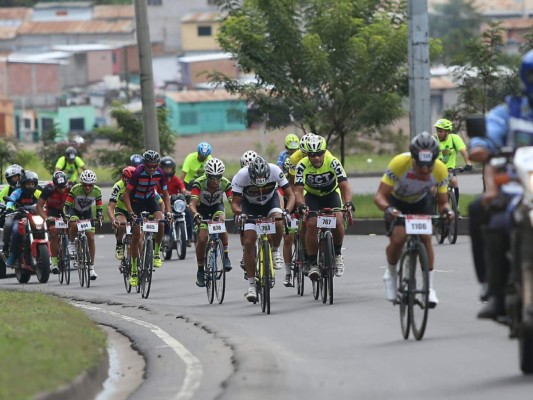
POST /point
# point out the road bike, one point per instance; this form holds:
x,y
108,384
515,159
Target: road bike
x,y
298,255
63,255
413,275
125,263
145,267
215,274
83,257
448,228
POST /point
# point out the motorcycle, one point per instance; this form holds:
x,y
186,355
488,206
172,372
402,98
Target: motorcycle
x,y
34,252
515,180
177,239
3,269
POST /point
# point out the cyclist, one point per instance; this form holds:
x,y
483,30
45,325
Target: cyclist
x,y
292,143
12,174
207,202
50,206
508,125
255,193
136,160
25,195
298,155
139,196
71,164
451,143
117,212
406,188
78,206
325,183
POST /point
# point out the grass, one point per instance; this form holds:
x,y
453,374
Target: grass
x,y
44,343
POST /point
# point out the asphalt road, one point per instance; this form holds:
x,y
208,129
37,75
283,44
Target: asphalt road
x,y
304,349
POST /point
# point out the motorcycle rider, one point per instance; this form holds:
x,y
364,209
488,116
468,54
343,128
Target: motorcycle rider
x,y
136,160
508,124
26,195
12,174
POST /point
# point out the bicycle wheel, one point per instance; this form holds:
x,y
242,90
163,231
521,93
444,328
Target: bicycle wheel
x,y
80,262
265,258
148,260
63,258
440,226
452,225
125,264
210,275
402,296
220,273
419,293
297,266
330,264
87,260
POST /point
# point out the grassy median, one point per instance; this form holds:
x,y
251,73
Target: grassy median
x,y
44,343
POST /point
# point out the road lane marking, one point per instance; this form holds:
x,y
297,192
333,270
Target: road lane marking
x,y
194,370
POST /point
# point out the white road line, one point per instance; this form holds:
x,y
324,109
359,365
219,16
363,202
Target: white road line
x,y
194,370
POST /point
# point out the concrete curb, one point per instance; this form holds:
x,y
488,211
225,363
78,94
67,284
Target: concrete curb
x,y
86,386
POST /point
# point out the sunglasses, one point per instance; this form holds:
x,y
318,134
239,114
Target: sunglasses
x,y
316,154
214,177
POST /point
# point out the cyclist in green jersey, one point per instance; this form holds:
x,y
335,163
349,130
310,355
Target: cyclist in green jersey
x,y
449,144
71,164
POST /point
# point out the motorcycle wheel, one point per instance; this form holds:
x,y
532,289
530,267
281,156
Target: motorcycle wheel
x,y
526,351
3,269
22,275
181,241
42,267
166,248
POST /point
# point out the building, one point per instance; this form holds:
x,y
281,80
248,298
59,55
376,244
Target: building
x,y
499,9
199,30
196,68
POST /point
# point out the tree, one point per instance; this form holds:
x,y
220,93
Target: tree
x,y
8,149
334,67
128,136
452,22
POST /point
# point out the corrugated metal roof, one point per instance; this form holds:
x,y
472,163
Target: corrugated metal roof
x,y
82,48
57,4
206,16
197,96
16,13
51,57
114,12
205,57
8,32
74,27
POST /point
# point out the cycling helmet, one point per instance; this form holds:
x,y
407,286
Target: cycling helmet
x,y
127,172
292,142
444,124
168,162
526,74
151,157
29,176
11,171
247,158
71,153
214,167
259,171
304,140
424,149
315,144
88,177
204,149
136,160
60,179
287,164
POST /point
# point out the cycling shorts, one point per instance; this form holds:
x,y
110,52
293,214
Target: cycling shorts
x,y
270,207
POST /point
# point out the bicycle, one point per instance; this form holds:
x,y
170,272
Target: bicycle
x,y
125,263
215,274
448,229
413,275
83,257
298,256
63,255
326,222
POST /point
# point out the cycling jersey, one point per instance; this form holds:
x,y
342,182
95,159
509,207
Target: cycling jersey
x,y
295,158
242,185
406,185
6,191
320,181
201,193
193,168
117,195
449,149
81,203
54,198
72,170
142,185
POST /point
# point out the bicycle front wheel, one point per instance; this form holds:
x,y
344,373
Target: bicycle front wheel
x,y
220,273
403,293
452,225
419,299
148,262
209,271
297,264
80,258
64,260
265,257
126,265
86,261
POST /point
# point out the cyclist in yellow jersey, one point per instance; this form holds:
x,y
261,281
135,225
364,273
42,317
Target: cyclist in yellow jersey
x,y
450,144
297,156
322,177
406,188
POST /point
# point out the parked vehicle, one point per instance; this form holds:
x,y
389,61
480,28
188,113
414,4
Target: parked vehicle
x,y
177,239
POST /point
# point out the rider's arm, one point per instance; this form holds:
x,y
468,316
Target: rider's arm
x,y
442,202
497,123
40,207
464,153
236,203
291,199
192,205
346,192
491,188
381,199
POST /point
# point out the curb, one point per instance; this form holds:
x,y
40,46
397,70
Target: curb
x,y
86,386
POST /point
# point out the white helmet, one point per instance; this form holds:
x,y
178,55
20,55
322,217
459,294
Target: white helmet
x,y
214,166
247,158
304,139
88,177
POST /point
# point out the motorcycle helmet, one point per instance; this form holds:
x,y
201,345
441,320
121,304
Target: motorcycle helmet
x,y
28,182
168,162
60,179
13,171
71,153
259,171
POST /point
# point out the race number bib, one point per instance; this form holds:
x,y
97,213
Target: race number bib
x,y
326,221
294,223
418,225
263,226
216,227
84,225
150,226
60,224
128,229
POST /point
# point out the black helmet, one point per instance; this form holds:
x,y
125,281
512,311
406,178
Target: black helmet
x,y
424,149
168,162
151,157
71,153
60,179
259,171
136,160
29,176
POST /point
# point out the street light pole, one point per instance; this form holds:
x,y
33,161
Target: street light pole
x,y
151,132
419,76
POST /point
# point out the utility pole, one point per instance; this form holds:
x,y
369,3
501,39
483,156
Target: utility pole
x,y
151,132
419,89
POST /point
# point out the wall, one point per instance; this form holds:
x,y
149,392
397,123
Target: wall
x,y
99,64
37,84
63,115
193,42
7,119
